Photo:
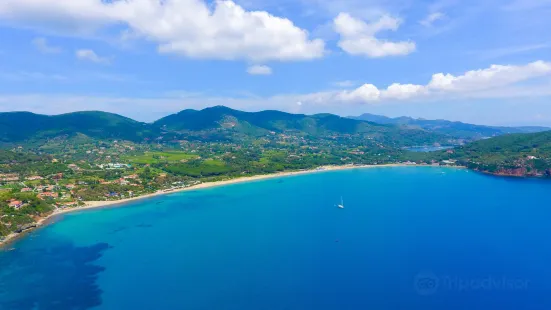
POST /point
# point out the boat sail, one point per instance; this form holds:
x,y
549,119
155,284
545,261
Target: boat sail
x,y
341,205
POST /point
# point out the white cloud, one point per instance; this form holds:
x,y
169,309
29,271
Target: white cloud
x,y
90,55
496,78
359,37
432,18
492,77
404,91
223,30
259,70
366,92
43,46
370,93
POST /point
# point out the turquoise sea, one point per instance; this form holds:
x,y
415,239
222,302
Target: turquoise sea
x,y
408,238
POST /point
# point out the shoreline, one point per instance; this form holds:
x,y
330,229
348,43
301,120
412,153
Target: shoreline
x,y
101,204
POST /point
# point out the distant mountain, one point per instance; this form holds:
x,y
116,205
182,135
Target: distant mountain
x,y
523,129
224,119
22,126
454,129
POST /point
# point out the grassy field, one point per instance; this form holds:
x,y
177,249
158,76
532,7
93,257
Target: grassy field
x,y
213,162
160,157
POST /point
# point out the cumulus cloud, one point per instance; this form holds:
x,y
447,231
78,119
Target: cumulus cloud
x,y
404,91
469,83
359,38
492,77
90,55
366,92
432,18
259,70
43,46
192,28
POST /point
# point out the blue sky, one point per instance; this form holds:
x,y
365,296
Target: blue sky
x,y
482,61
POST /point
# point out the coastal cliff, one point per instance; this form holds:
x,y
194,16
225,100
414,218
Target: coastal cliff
x,y
517,172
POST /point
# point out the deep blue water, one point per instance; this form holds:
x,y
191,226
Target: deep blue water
x,y
409,238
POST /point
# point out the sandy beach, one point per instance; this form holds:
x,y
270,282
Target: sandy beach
x,y
101,204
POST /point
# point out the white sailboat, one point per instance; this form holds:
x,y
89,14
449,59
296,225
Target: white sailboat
x,y
341,205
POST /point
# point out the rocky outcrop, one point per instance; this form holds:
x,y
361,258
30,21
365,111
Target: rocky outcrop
x,y
22,228
518,172
514,172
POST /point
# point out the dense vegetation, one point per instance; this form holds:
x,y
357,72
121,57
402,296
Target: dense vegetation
x,y
514,154
12,219
7,157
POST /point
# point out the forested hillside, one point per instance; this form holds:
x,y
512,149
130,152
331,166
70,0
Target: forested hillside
x,y
514,154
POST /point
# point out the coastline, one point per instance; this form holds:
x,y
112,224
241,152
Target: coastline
x,y
100,204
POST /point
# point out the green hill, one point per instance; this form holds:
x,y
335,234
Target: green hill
x,y
221,117
513,154
17,127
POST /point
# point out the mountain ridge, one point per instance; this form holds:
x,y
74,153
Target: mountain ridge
x,y
272,121
224,123
217,122
454,129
